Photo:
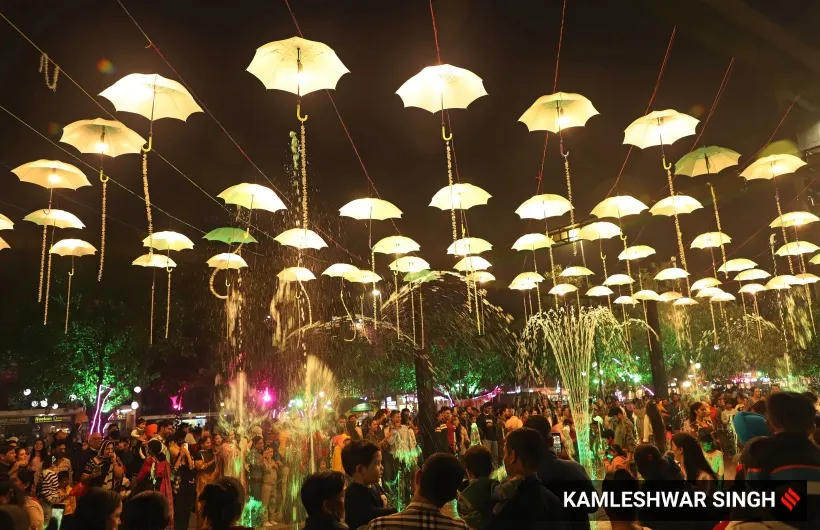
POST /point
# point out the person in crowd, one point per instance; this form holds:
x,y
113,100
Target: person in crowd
x,y
155,475
64,495
22,458
712,453
221,505
139,429
98,509
165,430
353,430
39,454
652,424
435,484
182,465
673,410
527,503
462,438
475,503
756,396
112,432
31,504
323,496
624,430
441,437
656,467
105,470
689,456
487,431
48,490
616,458
269,486
83,456
61,460
13,518
364,499
403,449
749,425
205,464
699,419
341,439
8,461
125,456
254,467
146,511
621,517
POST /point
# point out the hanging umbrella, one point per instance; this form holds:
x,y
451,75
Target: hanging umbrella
x,y
563,288
297,65
55,218
669,296
301,238
6,223
660,127
675,205
543,206
409,264
522,286
618,279
75,248
752,288
600,290
3,244
396,245
441,87
559,111
370,209
796,248
576,271
783,281
469,245
815,260
807,278
227,260
51,174
625,300
646,294
636,252
472,263
723,297
751,274
164,241
362,276
428,276
598,230
684,301
479,277
152,96
709,292
671,273
709,160
253,197
737,265
532,242
229,235
339,270
769,167
703,283
295,274
156,261
710,240
790,219
618,207
528,277
459,197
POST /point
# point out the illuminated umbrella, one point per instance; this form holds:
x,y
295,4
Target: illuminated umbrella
x,y
168,241
660,127
3,244
427,276
618,207
815,260
6,223
227,260
669,296
752,274
297,65
459,197
559,111
301,238
253,197
51,174
522,286
155,261
295,274
708,292
703,283
675,205
723,297
625,300
576,271
409,264
532,242
472,263
646,294
528,277
54,218
671,273
74,248
752,288
543,206
636,252
737,265
790,219
796,248
230,235
362,276
618,279
469,245
709,160
598,230
396,245
370,209
339,270
710,240
807,278
685,301
781,282
441,87
600,290
563,288
481,276
769,167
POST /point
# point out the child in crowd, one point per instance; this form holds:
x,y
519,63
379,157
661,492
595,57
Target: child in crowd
x,y
364,498
475,503
323,496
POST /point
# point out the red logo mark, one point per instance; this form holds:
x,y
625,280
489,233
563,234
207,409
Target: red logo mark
x,y
790,499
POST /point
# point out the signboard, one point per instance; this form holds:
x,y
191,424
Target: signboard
x,y
15,420
52,419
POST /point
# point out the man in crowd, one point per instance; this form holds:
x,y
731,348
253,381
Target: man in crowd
x,y
487,430
442,432
82,457
8,460
624,430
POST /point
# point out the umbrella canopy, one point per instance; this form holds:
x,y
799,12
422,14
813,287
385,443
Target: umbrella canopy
x,y
769,167
559,111
168,241
338,270
429,276
659,127
752,288
618,207
253,197
469,245
685,301
72,247
796,248
751,274
675,204
481,277
441,87
152,96
229,235
227,260
737,265
3,244
543,206
297,65
563,288
599,230
99,136
362,276
570,272
636,252
783,281
671,273
709,160
459,197
618,279
396,245
704,283
301,238
54,217
669,296
532,242
376,209
600,290
710,240
709,292
790,219
472,263
807,278
6,223
723,297
51,174
625,300
295,274
521,286
154,260
528,277
646,294
409,264
815,260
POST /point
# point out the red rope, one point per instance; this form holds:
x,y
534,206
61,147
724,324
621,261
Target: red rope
x,y
435,32
779,124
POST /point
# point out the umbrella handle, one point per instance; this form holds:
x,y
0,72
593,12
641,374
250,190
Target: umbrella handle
x,y
666,166
150,145
561,150
299,116
103,178
444,135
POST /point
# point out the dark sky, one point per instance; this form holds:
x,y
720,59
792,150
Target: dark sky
x,y
611,54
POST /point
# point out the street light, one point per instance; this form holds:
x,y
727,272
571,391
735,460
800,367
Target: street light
x,y
137,389
27,392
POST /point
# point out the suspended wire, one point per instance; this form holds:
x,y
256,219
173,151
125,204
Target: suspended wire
x,y
554,89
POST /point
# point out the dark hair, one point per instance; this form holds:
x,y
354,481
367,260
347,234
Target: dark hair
x,y
441,476
706,437
203,439
26,477
42,453
155,448
222,502
17,496
141,421
443,409
94,508
791,412
693,411
5,448
358,453
62,474
759,407
811,396
652,466
486,404
479,461
256,439
614,411
542,425
658,427
616,483
350,427
694,463
528,445
608,433
319,487
165,423
146,511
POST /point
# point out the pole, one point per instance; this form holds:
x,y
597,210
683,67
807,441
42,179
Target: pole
x,y
426,406
656,351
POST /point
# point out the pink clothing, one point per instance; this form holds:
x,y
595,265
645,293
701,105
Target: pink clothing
x,y
162,481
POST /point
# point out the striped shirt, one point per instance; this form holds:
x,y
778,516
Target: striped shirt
x,y
418,516
49,486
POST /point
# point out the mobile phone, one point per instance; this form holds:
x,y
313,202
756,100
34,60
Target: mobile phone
x,y
556,442
185,445
57,514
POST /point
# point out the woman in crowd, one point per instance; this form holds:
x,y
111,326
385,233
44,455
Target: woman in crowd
x,y
689,455
221,504
98,509
155,475
654,430
38,456
105,470
712,453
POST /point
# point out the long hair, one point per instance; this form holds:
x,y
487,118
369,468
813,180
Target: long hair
x,y
693,460
222,503
658,427
652,465
94,509
693,412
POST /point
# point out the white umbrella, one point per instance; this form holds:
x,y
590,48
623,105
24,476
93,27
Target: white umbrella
x,y
796,248
618,279
646,294
600,290
669,296
576,271
469,245
300,238
51,174
152,96
769,167
226,260
370,209
441,87
618,207
675,204
297,65
710,240
480,277
338,270
599,230
563,288
752,288
559,111
685,301
636,252
253,197
737,265
625,300
6,223
409,264
789,219
703,283
472,263
532,242
459,197
671,273
396,245
295,274
751,274
543,206
659,127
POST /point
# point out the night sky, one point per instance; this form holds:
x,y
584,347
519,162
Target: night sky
x,y
611,53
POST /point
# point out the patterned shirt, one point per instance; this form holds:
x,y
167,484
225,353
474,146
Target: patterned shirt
x,y
418,516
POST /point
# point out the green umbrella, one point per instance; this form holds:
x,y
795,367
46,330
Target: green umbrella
x,y
780,147
706,160
421,276
362,407
229,235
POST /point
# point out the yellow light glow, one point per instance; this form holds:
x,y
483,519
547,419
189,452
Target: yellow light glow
x,y
53,178
102,147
